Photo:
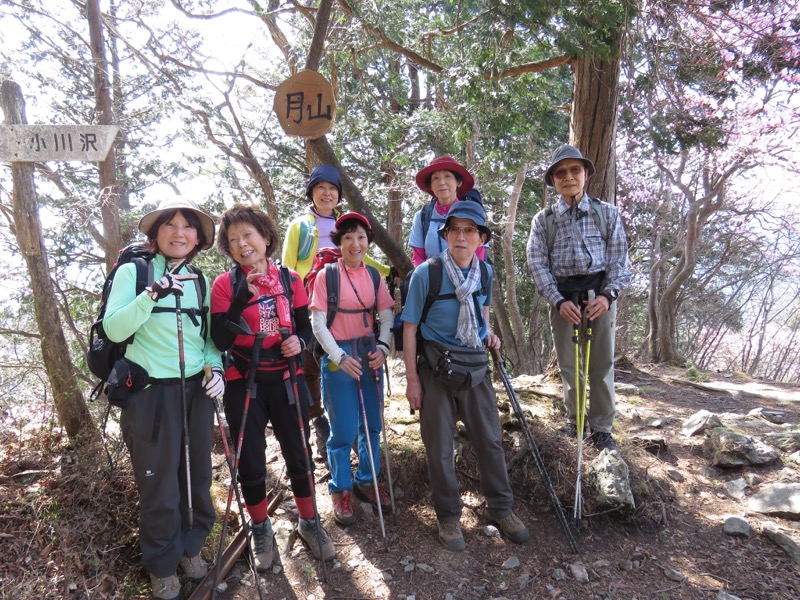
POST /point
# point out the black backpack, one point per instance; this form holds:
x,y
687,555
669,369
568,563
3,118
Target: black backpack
x,y
102,352
435,275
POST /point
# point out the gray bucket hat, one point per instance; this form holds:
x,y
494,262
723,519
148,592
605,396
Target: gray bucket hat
x,y
467,209
562,153
179,203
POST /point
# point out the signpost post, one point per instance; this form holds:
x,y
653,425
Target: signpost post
x,y
39,143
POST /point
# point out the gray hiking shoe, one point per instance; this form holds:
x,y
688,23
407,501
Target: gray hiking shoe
x,y
261,543
511,526
307,529
195,568
165,588
450,536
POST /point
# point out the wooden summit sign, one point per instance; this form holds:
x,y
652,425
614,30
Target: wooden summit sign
x,y
305,105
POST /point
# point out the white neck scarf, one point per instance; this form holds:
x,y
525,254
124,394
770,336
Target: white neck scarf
x,y
467,329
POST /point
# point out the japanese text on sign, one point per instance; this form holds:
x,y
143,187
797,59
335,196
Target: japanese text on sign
x,y
40,143
305,105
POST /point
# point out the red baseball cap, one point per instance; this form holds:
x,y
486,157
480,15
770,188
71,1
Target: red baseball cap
x,y
355,217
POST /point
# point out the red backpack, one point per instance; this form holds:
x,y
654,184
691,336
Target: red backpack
x,y
322,258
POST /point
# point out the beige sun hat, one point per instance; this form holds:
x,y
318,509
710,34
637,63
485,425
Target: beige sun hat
x,y
178,203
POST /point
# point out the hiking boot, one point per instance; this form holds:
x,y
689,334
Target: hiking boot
x,y
322,431
603,440
366,492
261,543
307,529
195,568
165,588
511,526
450,536
343,507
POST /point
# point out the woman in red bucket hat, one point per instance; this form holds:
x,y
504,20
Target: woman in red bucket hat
x,y
447,181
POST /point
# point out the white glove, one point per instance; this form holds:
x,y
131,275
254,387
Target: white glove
x,y
168,284
215,387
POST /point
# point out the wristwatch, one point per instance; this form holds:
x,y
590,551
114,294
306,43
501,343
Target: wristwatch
x,y
610,294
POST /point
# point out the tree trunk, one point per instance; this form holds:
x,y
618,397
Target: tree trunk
x,y
394,214
518,340
593,119
71,408
109,195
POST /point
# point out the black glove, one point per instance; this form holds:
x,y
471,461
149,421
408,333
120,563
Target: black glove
x,y
165,286
242,294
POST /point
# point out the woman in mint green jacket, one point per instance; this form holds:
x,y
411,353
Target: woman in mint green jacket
x,y
170,535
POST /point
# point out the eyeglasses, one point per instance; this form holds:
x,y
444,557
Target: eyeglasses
x,y
467,231
574,170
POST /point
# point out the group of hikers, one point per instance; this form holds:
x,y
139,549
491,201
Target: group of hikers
x,y
302,356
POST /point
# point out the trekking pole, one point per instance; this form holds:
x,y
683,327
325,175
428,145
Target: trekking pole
x,y
251,392
229,460
537,457
376,373
184,413
580,410
295,399
354,353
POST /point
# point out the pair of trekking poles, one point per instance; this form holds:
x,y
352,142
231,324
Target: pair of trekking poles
x,y
233,459
377,378
233,463
581,394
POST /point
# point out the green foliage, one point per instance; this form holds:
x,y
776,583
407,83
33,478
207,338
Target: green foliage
x,y
694,374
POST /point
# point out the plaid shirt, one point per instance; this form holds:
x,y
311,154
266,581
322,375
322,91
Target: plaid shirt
x,y
579,248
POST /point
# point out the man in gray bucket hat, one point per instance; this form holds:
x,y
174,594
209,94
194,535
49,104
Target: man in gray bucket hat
x,y
578,258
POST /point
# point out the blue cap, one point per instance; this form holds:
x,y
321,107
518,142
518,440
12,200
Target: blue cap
x,y
325,173
467,209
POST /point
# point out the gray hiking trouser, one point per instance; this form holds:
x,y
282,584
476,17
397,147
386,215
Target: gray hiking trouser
x,y
601,400
477,409
152,426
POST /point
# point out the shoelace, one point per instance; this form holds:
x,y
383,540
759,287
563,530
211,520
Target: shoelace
x,y
451,527
346,504
261,537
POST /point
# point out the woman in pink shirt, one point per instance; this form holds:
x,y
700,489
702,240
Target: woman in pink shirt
x,y
353,359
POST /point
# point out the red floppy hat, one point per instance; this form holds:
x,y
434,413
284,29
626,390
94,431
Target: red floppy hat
x,y
445,163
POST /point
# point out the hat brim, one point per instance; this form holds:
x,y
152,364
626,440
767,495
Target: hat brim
x,y
354,216
206,222
423,178
484,230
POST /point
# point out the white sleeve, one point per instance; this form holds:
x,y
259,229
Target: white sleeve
x,y
324,337
387,321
